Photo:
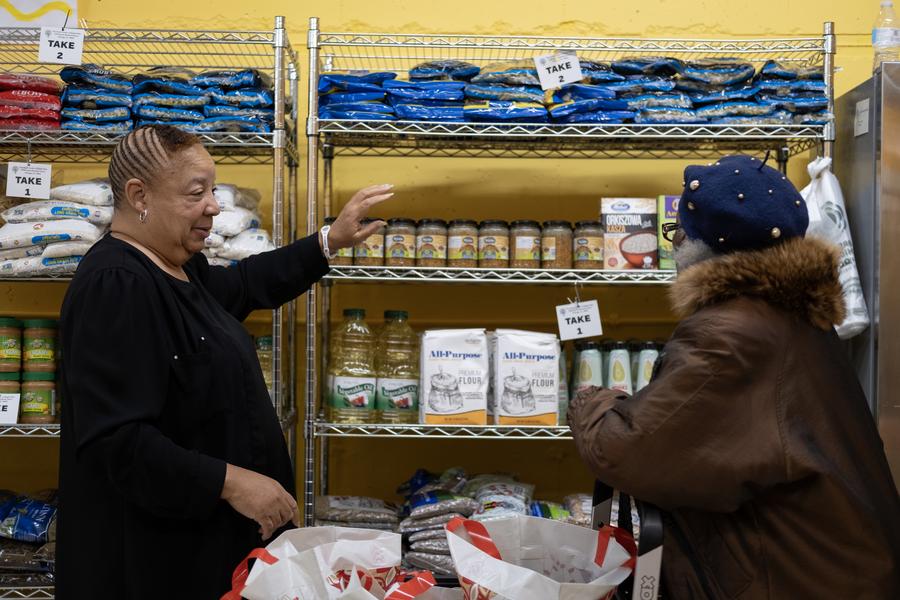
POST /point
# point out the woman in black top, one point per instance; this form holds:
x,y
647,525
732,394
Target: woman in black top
x,y
173,465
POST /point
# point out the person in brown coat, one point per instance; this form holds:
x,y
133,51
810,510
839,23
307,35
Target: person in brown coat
x,y
754,435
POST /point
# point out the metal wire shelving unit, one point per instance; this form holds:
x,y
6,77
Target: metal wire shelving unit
x,y
328,139
131,51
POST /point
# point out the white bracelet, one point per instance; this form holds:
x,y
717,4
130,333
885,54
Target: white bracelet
x,y
324,237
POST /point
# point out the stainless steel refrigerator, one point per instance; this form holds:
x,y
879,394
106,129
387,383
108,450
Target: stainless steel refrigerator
x,y
867,164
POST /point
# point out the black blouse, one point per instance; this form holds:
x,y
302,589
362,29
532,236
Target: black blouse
x,y
160,388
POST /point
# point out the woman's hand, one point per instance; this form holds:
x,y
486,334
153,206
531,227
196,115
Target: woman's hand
x,y
347,230
259,498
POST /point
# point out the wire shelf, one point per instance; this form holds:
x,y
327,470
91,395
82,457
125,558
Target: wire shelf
x,y
505,432
359,274
30,431
27,592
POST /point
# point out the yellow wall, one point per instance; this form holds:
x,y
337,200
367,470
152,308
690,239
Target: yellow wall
x,y
472,188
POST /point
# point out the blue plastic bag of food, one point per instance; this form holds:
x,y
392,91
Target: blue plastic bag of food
x,y
378,107
611,117
97,115
352,82
817,118
449,69
94,75
745,92
780,117
784,87
773,68
593,71
245,98
572,107
583,91
501,110
648,65
420,112
233,124
165,85
735,109
518,93
635,84
719,71
351,98
171,100
77,125
662,116
445,91
26,520
221,110
796,103
662,99
511,72
232,79
186,125
94,97
354,115
161,113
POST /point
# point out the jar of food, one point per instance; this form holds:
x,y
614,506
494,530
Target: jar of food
x,y
10,345
370,252
39,345
38,402
344,255
525,245
587,248
493,245
400,243
9,383
462,243
556,245
431,243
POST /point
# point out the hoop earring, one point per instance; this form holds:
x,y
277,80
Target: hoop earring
x,y
143,216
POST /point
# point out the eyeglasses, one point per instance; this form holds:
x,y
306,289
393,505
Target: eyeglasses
x,y
669,229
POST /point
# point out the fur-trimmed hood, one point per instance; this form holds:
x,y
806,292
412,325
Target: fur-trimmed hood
x,y
800,275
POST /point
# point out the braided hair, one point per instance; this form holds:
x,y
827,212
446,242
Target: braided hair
x,y
143,153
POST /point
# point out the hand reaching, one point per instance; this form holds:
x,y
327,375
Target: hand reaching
x,y
347,230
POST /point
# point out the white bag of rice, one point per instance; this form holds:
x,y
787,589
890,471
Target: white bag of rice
x,y
96,192
52,210
232,222
36,266
63,249
21,252
13,235
247,243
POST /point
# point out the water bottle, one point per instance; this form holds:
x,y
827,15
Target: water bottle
x,y
885,36
397,367
352,370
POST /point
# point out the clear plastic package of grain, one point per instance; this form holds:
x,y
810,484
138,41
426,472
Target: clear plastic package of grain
x,y
455,373
630,233
526,378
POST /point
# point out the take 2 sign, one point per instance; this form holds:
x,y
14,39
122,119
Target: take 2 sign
x,y
28,180
61,46
558,69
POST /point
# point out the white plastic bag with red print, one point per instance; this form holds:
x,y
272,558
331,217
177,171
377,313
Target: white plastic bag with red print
x,y
527,558
329,563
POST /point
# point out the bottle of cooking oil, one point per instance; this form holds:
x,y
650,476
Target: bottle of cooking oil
x,y
397,366
264,353
352,370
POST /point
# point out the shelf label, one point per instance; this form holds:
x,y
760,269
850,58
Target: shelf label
x,y
861,119
9,409
28,180
556,70
579,320
61,46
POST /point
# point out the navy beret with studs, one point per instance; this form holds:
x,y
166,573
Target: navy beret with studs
x,y
738,203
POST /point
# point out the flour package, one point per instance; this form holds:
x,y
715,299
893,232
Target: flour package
x,y
13,235
455,371
526,378
828,221
95,192
50,210
232,222
247,243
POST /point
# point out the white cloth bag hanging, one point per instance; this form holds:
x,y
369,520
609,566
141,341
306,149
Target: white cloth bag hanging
x,y
828,221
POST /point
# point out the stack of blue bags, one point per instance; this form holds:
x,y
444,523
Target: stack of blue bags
x,y
232,101
643,90
95,99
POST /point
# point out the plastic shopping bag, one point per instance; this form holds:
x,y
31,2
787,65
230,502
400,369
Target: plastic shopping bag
x,y
528,558
828,221
325,563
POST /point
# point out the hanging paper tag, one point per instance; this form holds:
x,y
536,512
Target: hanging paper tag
x,y
28,180
556,70
61,46
579,320
9,409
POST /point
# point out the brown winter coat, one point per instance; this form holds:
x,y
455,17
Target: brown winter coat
x,y
755,436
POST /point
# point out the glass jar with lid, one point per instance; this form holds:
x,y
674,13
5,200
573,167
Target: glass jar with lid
x,y
10,345
9,383
400,243
587,247
38,402
431,243
39,345
370,252
493,245
344,255
525,245
556,245
462,243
